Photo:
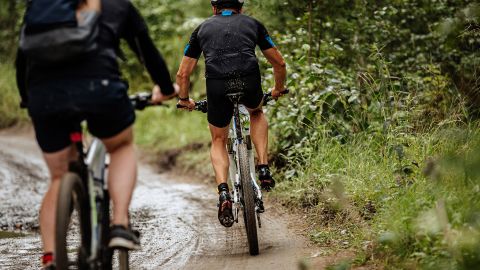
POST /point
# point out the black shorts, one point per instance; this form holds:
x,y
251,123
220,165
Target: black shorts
x,y
58,107
220,108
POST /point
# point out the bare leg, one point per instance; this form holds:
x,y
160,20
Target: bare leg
x,y
259,133
218,153
57,165
122,173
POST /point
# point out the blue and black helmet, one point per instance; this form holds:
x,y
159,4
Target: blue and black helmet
x,y
228,3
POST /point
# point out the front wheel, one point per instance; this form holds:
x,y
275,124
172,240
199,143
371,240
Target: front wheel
x,y
248,195
123,263
72,232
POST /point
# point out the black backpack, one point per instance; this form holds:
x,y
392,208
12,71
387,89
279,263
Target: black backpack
x,y
51,33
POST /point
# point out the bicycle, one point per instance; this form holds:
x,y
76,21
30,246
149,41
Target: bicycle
x,y
84,193
246,192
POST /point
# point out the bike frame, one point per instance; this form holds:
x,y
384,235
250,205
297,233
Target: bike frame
x,y
239,133
91,166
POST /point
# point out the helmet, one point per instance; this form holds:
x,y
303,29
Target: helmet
x,y
228,3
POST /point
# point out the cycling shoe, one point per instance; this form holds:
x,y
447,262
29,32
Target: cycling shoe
x,y
123,238
266,179
225,214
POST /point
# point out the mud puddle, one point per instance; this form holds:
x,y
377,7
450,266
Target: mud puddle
x,y
177,220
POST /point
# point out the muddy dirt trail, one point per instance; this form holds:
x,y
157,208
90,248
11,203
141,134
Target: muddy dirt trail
x,y
176,218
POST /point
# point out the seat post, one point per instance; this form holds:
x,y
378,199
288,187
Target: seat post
x,y
237,125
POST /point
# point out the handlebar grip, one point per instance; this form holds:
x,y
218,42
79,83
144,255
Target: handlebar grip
x,y
268,96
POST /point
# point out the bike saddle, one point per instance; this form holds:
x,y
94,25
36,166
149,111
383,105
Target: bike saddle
x,y
235,96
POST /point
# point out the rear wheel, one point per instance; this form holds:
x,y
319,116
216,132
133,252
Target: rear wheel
x,y
72,232
248,200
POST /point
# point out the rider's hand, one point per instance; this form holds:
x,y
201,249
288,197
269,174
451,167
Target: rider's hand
x,y
158,97
186,104
276,93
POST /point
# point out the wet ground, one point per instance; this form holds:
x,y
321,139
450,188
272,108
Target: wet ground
x,y
176,218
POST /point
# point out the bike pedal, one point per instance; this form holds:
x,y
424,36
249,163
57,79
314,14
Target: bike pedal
x,y
260,208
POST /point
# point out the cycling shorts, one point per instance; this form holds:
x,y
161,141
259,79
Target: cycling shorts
x,y
220,108
57,108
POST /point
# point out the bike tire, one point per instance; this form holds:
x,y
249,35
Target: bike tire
x,y
123,262
248,200
72,196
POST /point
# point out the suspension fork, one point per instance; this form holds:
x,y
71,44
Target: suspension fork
x,y
95,160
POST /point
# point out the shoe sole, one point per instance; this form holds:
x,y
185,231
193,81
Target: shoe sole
x,y
118,242
226,217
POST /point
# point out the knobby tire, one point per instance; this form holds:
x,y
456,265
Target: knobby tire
x,y
72,196
123,263
248,200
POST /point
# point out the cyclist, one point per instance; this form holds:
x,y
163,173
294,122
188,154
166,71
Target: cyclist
x,y
228,40
58,97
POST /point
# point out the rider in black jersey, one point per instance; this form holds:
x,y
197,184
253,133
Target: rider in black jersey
x,y
228,41
58,97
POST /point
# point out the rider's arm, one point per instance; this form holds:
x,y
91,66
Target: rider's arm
x,y
191,54
273,56
136,34
186,68
279,68
21,68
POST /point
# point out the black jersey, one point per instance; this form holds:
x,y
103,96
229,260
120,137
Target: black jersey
x,y
228,42
119,20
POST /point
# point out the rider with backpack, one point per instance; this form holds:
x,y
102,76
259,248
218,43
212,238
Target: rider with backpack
x,y
67,71
228,40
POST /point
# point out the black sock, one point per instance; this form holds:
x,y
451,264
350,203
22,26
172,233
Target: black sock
x,y
260,166
222,187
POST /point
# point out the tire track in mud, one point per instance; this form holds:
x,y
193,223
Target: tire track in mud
x,y
177,220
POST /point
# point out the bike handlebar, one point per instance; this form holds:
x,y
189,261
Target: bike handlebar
x,y
202,105
142,100
268,96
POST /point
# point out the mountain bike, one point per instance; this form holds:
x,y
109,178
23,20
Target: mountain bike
x,y
246,193
84,207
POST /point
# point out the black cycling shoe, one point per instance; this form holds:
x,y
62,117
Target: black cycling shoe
x,y
49,267
123,238
225,214
266,179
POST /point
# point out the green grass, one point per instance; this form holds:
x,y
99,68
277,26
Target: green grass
x,y
410,201
166,128
182,135
4,234
10,112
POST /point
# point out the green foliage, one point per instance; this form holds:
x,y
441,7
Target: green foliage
x,y
375,86
415,204
376,140
10,112
170,24
10,14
